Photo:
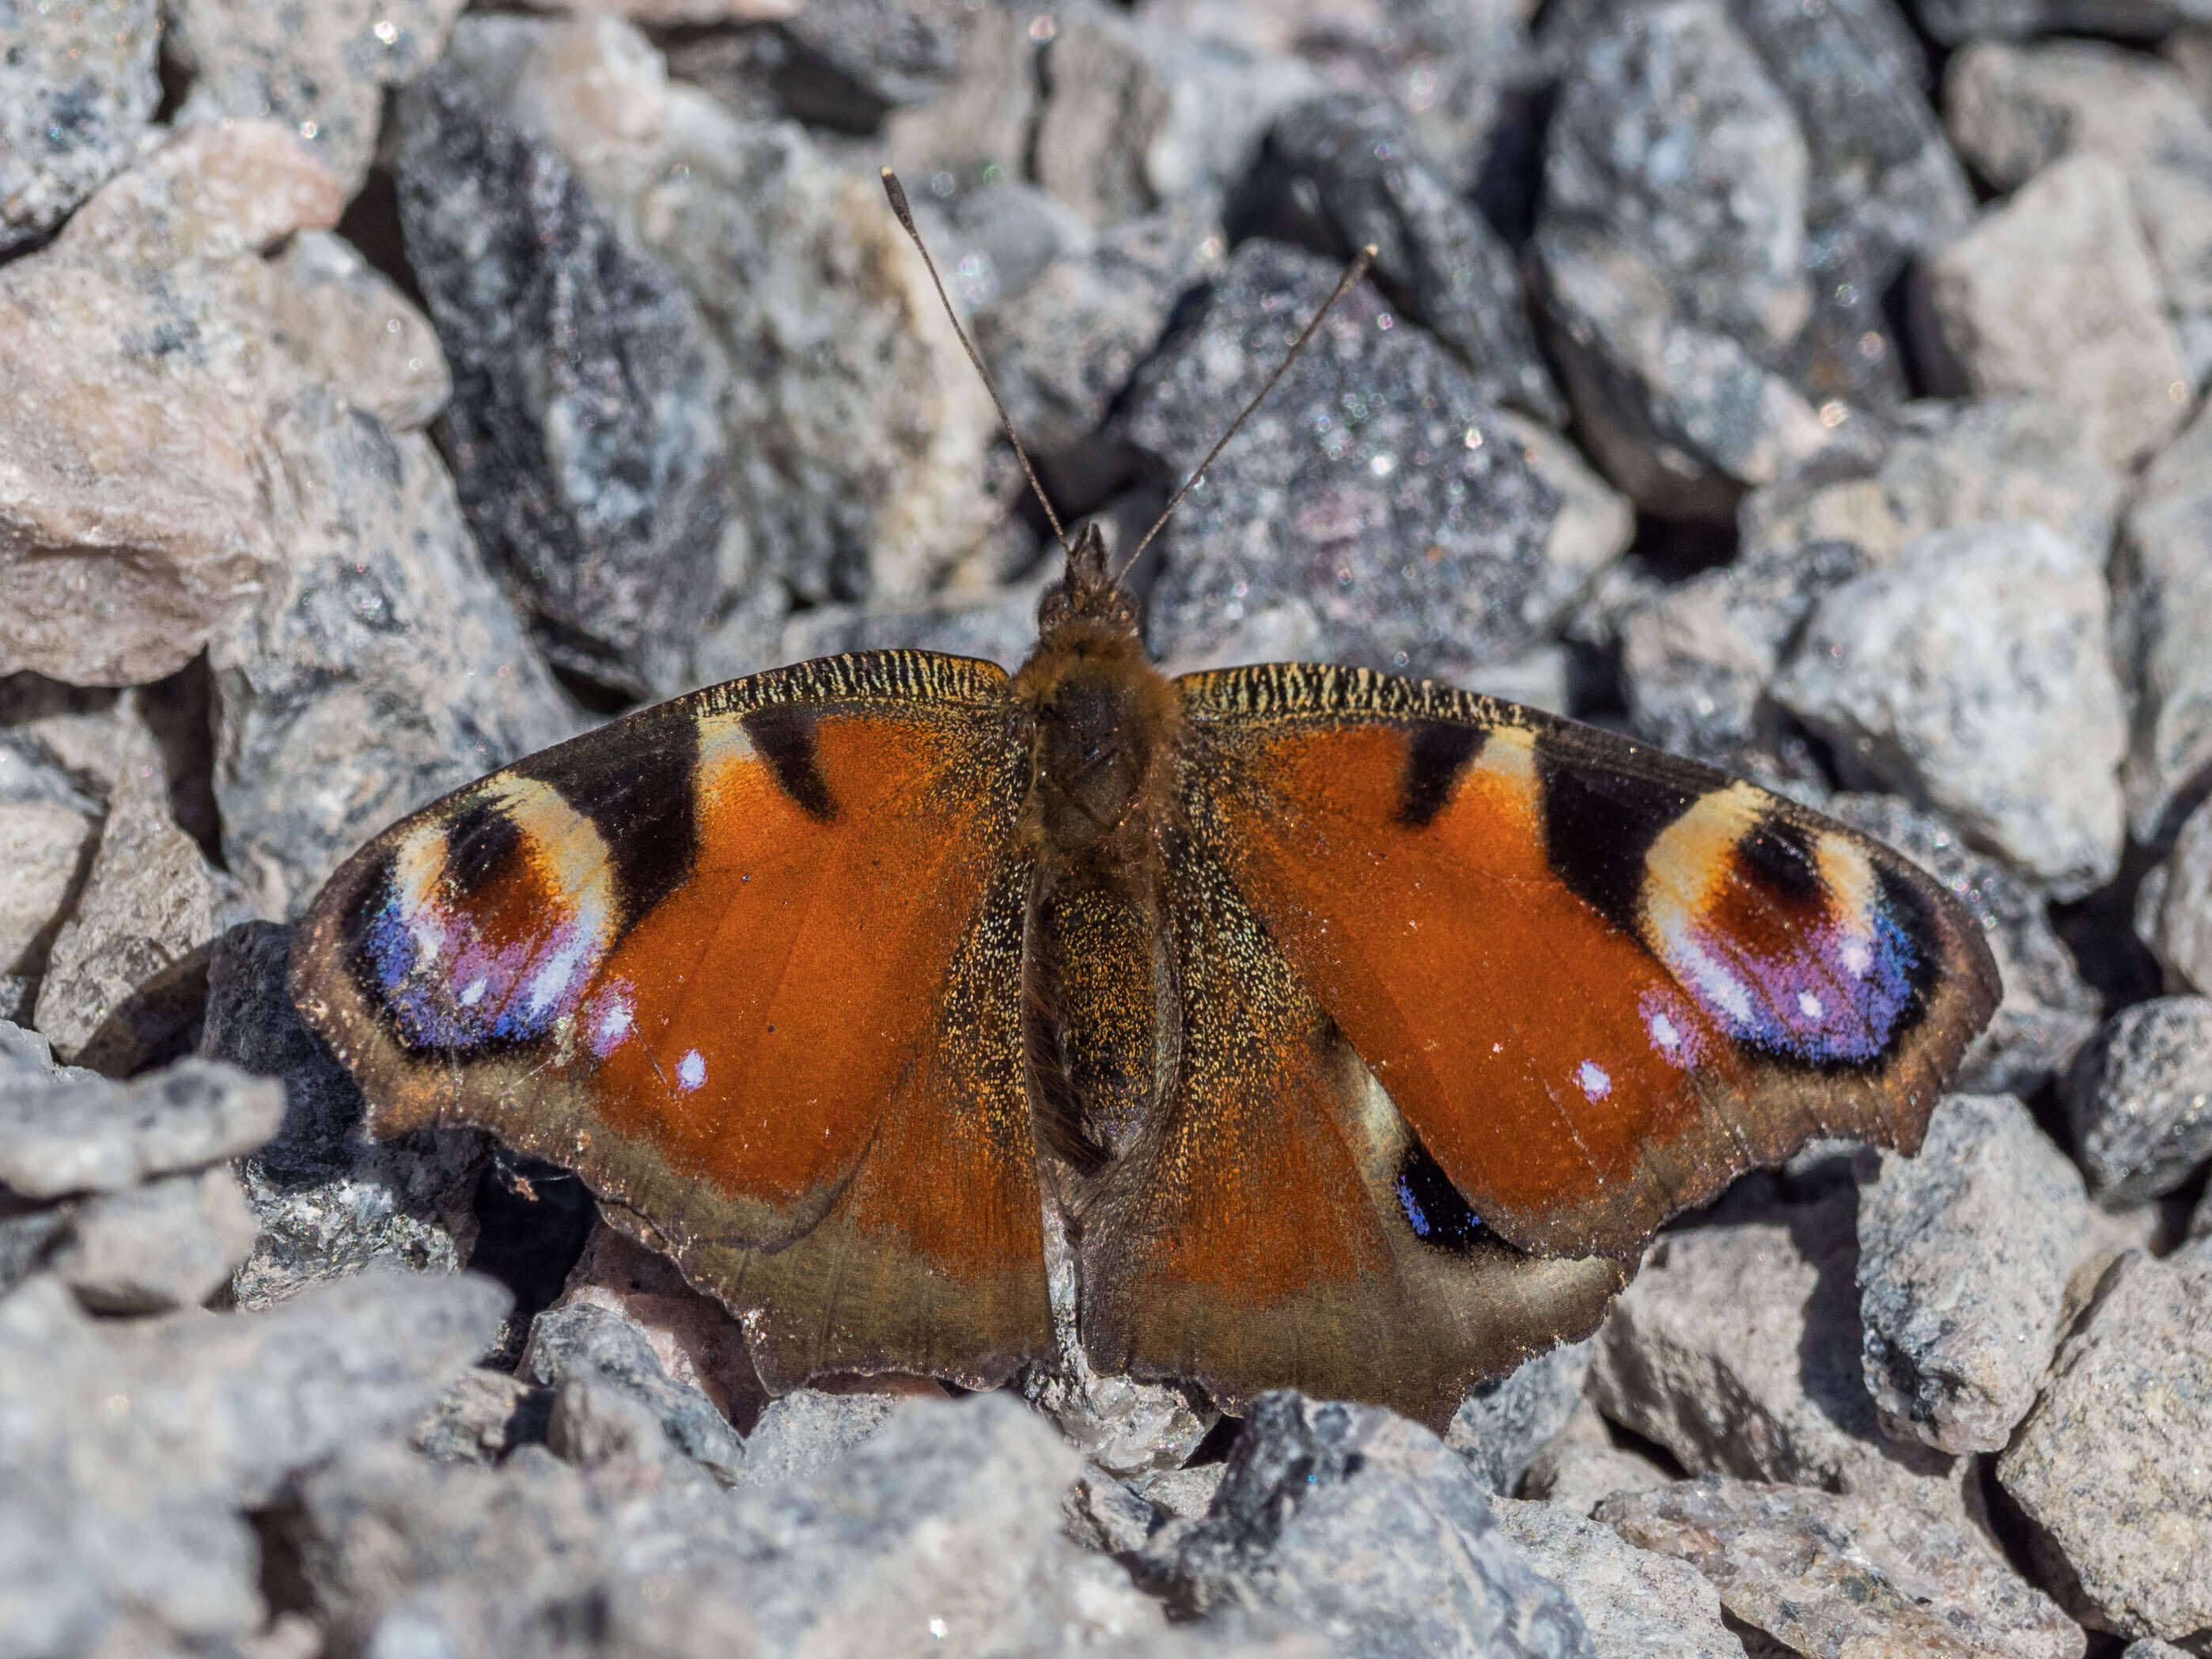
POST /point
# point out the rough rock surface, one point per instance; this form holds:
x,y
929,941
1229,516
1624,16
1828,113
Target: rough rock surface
x,y
584,428
2139,1104
135,512
2055,292
1944,464
351,324
1420,527
1737,1348
587,1344
319,70
128,1450
1832,1576
1582,1466
2178,923
78,84
380,668
171,1244
1635,1603
1501,1427
2047,1010
330,1201
2110,1467
1436,259
1361,1527
2162,607
73,1132
1963,1252
1672,245
1973,674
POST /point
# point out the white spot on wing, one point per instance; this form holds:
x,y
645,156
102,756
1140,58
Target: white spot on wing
x,y
1809,1006
473,992
691,1070
1664,1032
1594,1080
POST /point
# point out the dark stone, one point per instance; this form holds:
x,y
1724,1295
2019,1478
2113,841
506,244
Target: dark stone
x,y
1375,510
584,431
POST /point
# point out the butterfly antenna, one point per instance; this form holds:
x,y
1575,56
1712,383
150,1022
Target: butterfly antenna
x,y
1352,273
897,192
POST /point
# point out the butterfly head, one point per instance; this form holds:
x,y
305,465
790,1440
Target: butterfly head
x,y
1087,600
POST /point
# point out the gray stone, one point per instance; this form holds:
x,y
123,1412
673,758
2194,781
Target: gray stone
x,y
320,70
1634,1602
978,128
2056,292
127,972
1063,348
1582,1466
584,429
583,1343
1941,464
2162,606
48,827
1375,510
482,1418
1955,21
2110,1467
1964,1251
1830,1576
2047,1010
2139,1104
1696,658
329,1200
1591,530
1355,159
1973,674
63,1135
171,1244
993,241
1501,1427
807,1430
1001,630
1363,1528
127,1450
1737,1348
351,326
134,468
1672,245
382,668
1135,114
2177,926
2011,110
2150,1648
78,85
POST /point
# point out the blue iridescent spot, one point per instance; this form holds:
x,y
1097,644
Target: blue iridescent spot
x,y
1432,1205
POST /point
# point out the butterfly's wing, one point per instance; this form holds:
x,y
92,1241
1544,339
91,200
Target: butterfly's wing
x,y
751,963
1596,983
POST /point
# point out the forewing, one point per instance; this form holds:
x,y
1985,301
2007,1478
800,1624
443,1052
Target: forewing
x,y
1598,982
749,962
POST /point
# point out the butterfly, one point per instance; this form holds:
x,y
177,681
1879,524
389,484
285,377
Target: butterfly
x,y
1360,1031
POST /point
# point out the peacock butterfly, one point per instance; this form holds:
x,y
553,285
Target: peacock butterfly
x,y
1359,1030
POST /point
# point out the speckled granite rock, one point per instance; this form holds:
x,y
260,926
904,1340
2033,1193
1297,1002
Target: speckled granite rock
x,y
1436,259
2139,1102
1847,1578
1376,509
2161,608
329,1201
1964,1251
1943,464
584,428
1501,1427
2110,1467
2056,292
595,1346
1582,1466
1973,674
69,1132
1362,1527
2176,921
381,667
2011,110
807,1430
2047,1010
1673,290
348,321
135,516
320,70
1635,1603
78,83
127,1451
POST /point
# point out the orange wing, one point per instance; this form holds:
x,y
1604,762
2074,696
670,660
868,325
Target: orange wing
x,y
1598,982
749,961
